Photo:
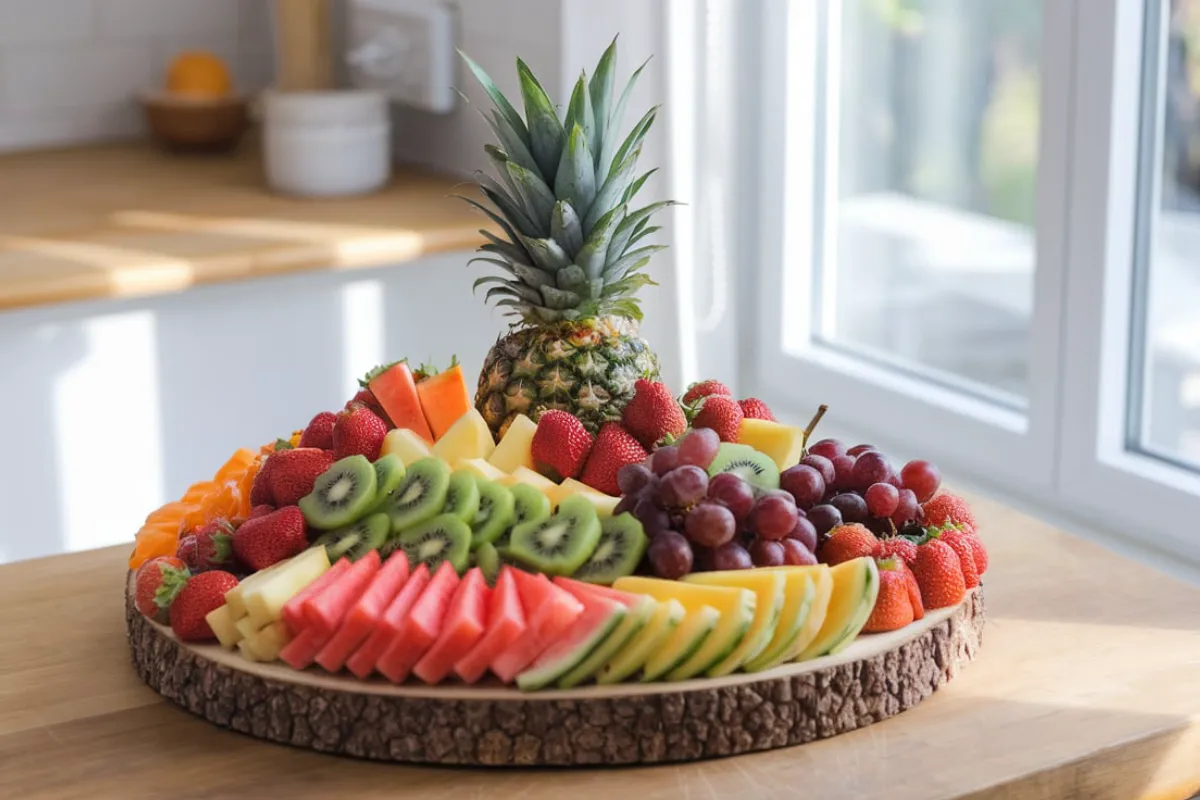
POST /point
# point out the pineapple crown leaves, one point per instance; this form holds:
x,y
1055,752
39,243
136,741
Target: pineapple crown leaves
x,y
572,245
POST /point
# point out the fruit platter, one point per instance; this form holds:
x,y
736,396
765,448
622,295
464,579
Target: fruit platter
x,y
573,563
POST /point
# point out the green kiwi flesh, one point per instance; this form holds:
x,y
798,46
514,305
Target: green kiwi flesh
x,y
389,474
462,496
497,508
421,495
355,541
560,544
341,494
757,469
488,560
622,545
444,538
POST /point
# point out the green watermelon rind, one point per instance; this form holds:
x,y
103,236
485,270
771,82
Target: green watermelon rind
x,y
635,619
539,677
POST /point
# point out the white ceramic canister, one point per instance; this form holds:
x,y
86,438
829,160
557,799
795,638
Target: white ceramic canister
x,y
326,143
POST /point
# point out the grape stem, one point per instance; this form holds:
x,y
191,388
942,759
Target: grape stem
x,y
812,424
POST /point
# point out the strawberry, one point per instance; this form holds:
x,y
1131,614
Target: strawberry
x,y
259,511
722,414
753,408
980,550
614,449
319,432
561,444
898,546
269,539
939,575
653,415
294,472
149,584
208,546
848,542
201,594
893,606
947,507
704,389
365,398
914,594
260,490
358,431
964,547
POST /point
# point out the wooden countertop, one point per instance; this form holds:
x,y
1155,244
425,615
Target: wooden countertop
x,y
1088,686
129,220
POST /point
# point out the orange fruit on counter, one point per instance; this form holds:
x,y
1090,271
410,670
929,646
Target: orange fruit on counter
x,y
199,74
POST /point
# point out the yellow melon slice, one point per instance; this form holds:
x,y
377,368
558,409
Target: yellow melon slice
x,y
220,619
516,446
406,445
535,479
469,437
855,587
783,444
481,469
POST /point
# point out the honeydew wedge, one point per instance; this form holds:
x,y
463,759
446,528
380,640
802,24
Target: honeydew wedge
x,y
822,583
770,595
248,626
691,634
855,588
482,469
783,444
235,597
220,619
653,636
535,479
469,437
406,445
735,608
265,599
516,446
266,644
800,596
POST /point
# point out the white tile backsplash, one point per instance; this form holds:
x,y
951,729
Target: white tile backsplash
x,y
139,19
35,22
46,79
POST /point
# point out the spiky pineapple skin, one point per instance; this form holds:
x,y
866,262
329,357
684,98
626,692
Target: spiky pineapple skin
x,y
587,368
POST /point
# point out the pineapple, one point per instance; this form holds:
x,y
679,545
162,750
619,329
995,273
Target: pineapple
x,y
572,252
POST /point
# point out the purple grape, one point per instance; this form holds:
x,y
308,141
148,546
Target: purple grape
x,y
710,524
859,449
822,465
843,469
765,553
882,499
731,556
827,448
804,483
670,555
871,468
664,459
805,533
702,558
880,526
824,518
922,477
632,477
653,518
699,447
773,516
734,492
908,508
795,554
852,507
683,486
627,503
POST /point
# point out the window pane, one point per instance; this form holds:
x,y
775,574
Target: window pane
x,y
926,186
1166,354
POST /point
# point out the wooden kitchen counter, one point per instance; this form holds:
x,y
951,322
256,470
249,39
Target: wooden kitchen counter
x,y
1087,686
129,220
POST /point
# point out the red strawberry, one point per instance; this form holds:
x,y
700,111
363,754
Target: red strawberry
x,y
614,449
848,542
947,507
202,594
914,594
149,581
364,397
939,575
266,540
294,472
652,414
207,547
319,432
893,607
358,431
560,444
260,490
980,550
704,389
964,547
722,414
753,408
898,546
260,511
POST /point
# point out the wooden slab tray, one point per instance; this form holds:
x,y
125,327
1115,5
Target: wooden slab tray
x,y
877,677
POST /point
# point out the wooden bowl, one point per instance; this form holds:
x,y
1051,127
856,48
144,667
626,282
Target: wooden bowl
x,y
183,123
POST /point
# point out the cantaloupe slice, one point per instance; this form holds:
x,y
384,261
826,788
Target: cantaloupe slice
x,y
516,446
482,469
782,443
406,445
396,391
855,587
445,398
467,438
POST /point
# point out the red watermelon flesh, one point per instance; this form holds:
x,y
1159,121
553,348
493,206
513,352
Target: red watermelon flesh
x,y
300,651
421,627
601,615
365,614
362,663
465,622
326,609
580,590
551,612
293,610
506,623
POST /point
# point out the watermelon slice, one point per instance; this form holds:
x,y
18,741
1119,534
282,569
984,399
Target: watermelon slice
x,y
293,610
300,651
325,610
640,609
551,613
417,631
465,622
601,616
506,623
362,663
396,391
365,614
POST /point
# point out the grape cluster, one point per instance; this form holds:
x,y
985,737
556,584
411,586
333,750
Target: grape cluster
x,y
699,524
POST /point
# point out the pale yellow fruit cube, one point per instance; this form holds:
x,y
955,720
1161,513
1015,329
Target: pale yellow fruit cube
x,y
605,504
469,437
534,479
235,597
516,446
405,445
783,444
267,643
248,626
266,599
481,469
221,621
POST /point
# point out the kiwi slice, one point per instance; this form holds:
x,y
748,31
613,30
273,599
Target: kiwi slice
x,y
462,496
757,469
529,505
341,495
389,474
355,541
622,544
444,538
488,560
562,543
495,514
421,495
